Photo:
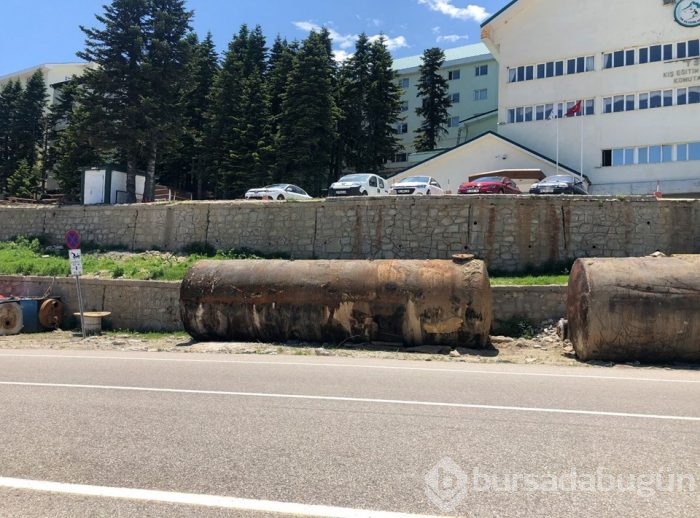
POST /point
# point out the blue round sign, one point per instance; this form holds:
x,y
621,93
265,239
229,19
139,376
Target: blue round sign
x,y
687,13
72,239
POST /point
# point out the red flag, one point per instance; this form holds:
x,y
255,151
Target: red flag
x,y
576,108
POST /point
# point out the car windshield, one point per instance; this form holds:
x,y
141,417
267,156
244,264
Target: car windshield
x,y
416,179
559,178
495,179
354,178
277,186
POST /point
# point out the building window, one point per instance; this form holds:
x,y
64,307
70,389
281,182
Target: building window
x,y
453,122
694,95
400,157
643,55
528,114
607,158
481,94
654,154
454,98
643,155
512,75
539,112
607,104
694,151
618,103
607,60
590,107
403,83
668,52
540,71
682,152
521,73
668,98
629,103
404,106
402,128
618,157
481,70
453,75
570,66
529,73
550,69
618,61
629,57
643,101
654,53
693,48
518,115
681,50
682,96
667,153
655,99
511,116
559,68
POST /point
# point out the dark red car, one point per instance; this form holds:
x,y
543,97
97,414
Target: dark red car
x,y
490,185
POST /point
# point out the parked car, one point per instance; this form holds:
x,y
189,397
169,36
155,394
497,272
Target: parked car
x,y
278,191
559,184
417,185
359,185
490,185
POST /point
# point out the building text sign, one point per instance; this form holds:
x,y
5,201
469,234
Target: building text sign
x,y
689,73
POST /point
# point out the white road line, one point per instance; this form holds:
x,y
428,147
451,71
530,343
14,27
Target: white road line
x,y
352,366
196,499
353,400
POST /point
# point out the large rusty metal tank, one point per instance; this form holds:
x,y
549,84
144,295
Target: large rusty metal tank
x,y
442,302
640,308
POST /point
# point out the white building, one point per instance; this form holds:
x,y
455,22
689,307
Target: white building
x,y
472,74
636,67
54,74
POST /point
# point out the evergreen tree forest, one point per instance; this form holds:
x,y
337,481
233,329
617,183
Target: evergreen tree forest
x,y
161,102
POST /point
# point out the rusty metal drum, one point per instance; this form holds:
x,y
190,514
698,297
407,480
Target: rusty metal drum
x,y
635,309
413,302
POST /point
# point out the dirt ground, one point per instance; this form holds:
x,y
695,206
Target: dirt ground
x,y
545,348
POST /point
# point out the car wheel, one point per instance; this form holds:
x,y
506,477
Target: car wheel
x,y
500,191
364,193
280,197
427,193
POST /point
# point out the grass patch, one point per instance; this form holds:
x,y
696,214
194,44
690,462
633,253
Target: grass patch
x,y
151,335
27,256
530,280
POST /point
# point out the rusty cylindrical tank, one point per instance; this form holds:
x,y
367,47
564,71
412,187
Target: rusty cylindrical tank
x,y
638,308
440,302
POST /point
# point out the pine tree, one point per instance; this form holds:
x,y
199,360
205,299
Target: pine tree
x,y
113,95
240,125
435,101
187,164
24,182
30,123
308,119
72,145
166,52
383,107
354,123
10,98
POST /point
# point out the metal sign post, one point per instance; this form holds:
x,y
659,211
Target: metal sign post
x,y
76,269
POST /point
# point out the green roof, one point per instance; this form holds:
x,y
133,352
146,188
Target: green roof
x,y
477,50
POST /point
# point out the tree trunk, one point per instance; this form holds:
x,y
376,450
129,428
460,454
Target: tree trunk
x,y
150,187
131,178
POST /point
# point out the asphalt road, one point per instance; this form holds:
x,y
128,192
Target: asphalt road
x,y
148,434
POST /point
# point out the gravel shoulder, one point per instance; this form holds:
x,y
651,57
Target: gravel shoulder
x,y
544,349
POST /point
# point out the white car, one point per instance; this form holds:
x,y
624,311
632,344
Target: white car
x,y
278,191
359,185
417,185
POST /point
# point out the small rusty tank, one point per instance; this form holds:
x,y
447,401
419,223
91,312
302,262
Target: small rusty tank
x,y
640,308
414,302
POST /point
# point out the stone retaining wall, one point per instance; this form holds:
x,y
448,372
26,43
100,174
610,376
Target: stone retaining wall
x,y
512,233
154,305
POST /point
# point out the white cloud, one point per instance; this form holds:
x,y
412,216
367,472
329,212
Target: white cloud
x,y
470,12
341,55
452,38
436,29
391,43
347,41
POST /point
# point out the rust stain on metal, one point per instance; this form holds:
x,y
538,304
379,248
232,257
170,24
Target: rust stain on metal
x,y
411,302
641,308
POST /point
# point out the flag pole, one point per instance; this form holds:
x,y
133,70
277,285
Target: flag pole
x,y
556,115
581,114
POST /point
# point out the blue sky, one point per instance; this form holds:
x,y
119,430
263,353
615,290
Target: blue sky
x,y
46,31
